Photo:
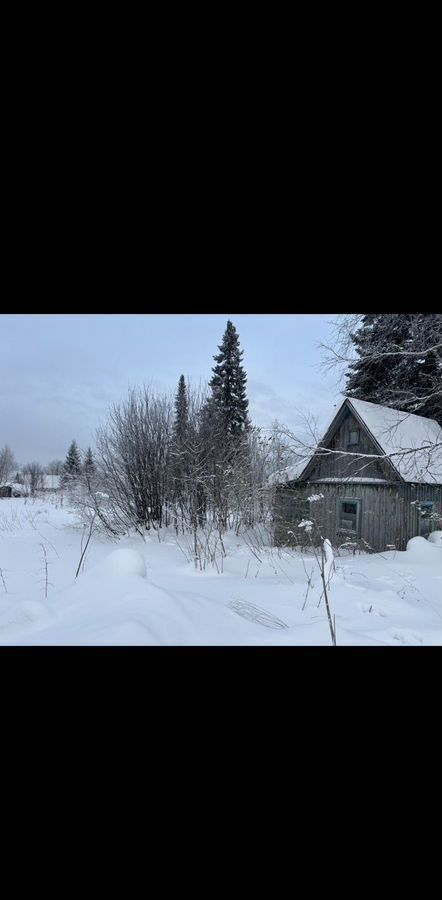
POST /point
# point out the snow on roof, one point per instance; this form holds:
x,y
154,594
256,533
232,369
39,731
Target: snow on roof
x,y
14,485
353,478
396,431
51,482
290,473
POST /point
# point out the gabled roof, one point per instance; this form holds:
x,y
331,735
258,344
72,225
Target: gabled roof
x,y
396,431
413,443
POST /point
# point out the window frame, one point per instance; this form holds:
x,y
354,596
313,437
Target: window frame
x,y
341,515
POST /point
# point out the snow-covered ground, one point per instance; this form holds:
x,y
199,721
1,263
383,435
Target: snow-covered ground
x,y
136,592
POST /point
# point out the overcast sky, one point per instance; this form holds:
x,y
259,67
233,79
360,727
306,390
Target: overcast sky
x,y
60,373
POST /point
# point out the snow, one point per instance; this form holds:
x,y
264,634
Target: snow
x,y
122,563
51,482
396,431
422,550
149,593
290,473
436,538
353,479
328,560
15,486
307,524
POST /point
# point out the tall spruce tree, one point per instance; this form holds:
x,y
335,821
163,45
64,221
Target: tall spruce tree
x,y
409,382
180,435
181,421
225,427
72,465
89,466
229,402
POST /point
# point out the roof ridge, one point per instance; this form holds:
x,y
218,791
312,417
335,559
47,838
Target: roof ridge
x,y
406,413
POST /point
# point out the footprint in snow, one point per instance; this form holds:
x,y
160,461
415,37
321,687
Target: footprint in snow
x,y
369,608
255,614
406,639
399,637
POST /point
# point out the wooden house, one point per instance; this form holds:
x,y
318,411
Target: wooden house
x,y
374,481
12,489
50,482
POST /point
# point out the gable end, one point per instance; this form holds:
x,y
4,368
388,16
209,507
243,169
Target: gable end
x,y
349,433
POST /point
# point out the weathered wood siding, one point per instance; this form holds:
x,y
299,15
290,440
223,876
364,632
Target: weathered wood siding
x,y
388,513
345,466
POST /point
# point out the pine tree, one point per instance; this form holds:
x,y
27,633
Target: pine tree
x,y
412,383
181,422
229,401
370,375
72,465
89,466
180,434
225,427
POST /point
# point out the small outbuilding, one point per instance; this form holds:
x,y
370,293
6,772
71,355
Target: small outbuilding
x,y
51,482
12,489
374,481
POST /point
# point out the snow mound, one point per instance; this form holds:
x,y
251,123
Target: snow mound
x,y
24,614
436,538
122,563
421,549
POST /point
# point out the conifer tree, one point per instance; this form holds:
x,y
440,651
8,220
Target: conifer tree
x,y
225,427
89,467
370,374
229,401
394,366
72,465
180,434
181,413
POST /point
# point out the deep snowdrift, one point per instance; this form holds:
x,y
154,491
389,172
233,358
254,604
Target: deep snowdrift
x,y
136,592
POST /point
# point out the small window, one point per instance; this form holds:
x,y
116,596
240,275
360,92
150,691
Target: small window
x,y
349,515
354,436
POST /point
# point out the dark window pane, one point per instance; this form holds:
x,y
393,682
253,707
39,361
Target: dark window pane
x,y
348,515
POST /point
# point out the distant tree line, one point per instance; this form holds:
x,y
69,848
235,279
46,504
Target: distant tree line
x,y
31,475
